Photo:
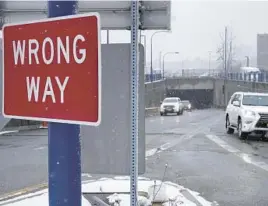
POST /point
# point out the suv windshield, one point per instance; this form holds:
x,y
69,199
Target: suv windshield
x,y
255,100
170,100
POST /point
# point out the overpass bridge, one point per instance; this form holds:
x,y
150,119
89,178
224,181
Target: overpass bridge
x,y
201,91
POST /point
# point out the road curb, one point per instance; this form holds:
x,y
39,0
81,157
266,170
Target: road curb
x,y
21,192
23,128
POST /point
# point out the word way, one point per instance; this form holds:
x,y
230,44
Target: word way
x,y
33,88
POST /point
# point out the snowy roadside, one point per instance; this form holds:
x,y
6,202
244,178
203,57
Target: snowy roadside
x,y
116,190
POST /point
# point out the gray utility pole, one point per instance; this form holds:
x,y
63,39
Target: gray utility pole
x,y
247,57
225,65
231,55
209,59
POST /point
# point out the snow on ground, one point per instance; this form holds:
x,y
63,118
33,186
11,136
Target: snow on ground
x,y
35,199
166,192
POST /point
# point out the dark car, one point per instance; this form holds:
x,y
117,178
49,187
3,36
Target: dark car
x,y
186,105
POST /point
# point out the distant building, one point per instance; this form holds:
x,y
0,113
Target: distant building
x,y
262,51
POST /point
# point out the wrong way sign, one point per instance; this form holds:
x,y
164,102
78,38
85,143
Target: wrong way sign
x,y
52,70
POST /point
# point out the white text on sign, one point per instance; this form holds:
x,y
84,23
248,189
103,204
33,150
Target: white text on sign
x,y
29,50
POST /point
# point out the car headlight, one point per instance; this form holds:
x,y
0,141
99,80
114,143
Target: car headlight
x,y
189,106
249,113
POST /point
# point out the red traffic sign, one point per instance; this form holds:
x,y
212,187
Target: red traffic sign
x,y
52,70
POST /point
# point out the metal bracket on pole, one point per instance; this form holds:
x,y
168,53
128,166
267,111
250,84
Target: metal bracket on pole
x,y
134,102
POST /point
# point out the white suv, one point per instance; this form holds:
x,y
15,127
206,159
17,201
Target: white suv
x,y
171,105
247,112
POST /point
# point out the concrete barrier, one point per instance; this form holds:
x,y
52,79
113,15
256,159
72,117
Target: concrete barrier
x,y
21,125
152,111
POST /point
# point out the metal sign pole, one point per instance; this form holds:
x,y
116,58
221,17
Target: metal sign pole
x,y
64,159
134,103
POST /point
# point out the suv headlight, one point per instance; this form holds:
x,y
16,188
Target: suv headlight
x,y
249,113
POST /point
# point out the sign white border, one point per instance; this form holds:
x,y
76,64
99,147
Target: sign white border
x,y
97,123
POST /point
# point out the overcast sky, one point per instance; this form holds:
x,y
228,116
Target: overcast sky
x,y
197,25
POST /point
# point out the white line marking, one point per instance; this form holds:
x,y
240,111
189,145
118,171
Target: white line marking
x,y
245,157
167,145
150,152
40,148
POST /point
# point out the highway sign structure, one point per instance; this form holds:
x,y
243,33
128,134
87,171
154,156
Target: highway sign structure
x,y
52,70
115,15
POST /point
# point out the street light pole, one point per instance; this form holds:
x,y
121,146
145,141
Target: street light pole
x,y
160,59
151,72
225,66
108,37
164,61
247,57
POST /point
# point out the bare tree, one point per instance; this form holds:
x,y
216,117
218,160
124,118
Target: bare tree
x,y
228,44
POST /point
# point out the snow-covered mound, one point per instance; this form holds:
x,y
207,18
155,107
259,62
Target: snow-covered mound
x,y
150,191
117,194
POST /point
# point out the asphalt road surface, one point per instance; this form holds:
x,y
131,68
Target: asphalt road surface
x,y
192,150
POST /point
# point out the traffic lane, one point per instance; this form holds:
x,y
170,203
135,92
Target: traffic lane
x,y
23,160
163,131
254,149
24,154
157,124
203,166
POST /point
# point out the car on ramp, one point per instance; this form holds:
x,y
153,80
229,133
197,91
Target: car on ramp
x,y
171,105
186,105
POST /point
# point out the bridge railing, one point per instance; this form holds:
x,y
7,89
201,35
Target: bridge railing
x,y
261,77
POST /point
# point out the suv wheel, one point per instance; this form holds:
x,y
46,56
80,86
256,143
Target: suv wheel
x,y
229,130
241,135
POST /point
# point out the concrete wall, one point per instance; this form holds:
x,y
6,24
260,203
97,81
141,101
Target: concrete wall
x,y
235,86
185,83
154,93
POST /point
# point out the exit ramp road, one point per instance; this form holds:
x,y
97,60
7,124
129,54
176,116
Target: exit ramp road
x,y
192,150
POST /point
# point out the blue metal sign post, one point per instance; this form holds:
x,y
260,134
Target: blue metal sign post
x,y
64,149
